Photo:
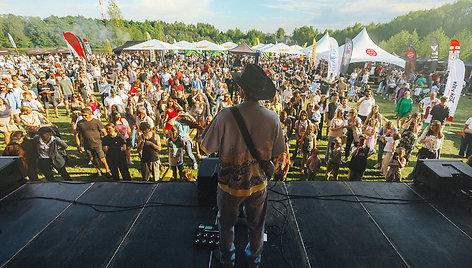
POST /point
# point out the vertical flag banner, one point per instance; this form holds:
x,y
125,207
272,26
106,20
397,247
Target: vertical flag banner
x,y
304,46
434,53
313,50
333,66
347,55
410,58
454,51
454,85
13,43
87,46
75,44
109,47
152,53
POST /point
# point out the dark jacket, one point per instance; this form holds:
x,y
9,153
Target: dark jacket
x,y
57,151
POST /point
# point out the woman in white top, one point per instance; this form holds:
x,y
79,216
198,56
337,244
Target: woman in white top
x,y
431,141
335,130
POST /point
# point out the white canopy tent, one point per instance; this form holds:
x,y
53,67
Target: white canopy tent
x,y
322,48
228,45
258,47
205,45
297,47
281,48
152,45
183,45
365,50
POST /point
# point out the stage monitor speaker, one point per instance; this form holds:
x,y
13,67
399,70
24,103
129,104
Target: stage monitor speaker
x,y
207,180
444,174
12,174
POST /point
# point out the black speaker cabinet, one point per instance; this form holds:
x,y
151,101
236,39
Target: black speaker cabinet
x,y
12,174
207,180
444,174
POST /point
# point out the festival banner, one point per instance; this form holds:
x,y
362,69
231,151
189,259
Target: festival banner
x,y
347,55
75,44
13,43
454,51
454,85
410,58
152,53
313,50
109,47
333,61
304,46
87,46
434,53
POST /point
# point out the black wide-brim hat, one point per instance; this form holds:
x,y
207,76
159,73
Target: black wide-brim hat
x,y
255,82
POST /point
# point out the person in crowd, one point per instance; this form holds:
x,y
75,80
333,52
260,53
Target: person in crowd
x,y
425,106
32,121
353,126
240,178
330,112
403,109
335,131
300,128
13,148
440,112
359,155
376,116
365,105
13,101
308,142
395,166
313,164
175,146
88,130
466,139
124,129
111,100
335,153
51,154
172,110
410,135
66,87
149,145
387,130
431,141
7,124
282,162
34,104
391,143
114,146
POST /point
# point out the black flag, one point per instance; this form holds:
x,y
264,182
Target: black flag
x,y
347,55
434,53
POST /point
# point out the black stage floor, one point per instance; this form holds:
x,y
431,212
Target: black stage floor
x,y
367,225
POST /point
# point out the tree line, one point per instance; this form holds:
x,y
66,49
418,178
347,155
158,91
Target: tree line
x,y
447,22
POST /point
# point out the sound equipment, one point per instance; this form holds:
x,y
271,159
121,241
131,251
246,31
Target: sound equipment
x,y
444,174
207,236
12,174
207,180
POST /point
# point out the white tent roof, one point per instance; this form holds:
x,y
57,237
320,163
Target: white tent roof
x,y
257,47
152,45
364,49
297,47
228,45
206,45
322,47
281,48
183,45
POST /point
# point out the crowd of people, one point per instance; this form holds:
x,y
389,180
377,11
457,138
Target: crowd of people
x,y
148,107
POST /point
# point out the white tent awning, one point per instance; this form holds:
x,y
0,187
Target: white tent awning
x,y
152,45
365,50
206,45
228,45
281,48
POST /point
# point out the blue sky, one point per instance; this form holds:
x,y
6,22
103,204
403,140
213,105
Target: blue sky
x,y
265,15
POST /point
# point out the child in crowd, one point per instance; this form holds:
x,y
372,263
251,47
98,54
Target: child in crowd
x,y
398,161
390,146
371,133
175,146
314,164
334,161
307,144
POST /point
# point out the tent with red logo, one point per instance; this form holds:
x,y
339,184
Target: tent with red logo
x,y
365,50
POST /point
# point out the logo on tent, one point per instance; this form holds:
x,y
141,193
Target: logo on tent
x,y
371,52
410,54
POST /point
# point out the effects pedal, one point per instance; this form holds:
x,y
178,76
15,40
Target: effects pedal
x,y
207,236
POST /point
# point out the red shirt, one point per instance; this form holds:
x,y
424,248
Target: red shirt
x,y
179,87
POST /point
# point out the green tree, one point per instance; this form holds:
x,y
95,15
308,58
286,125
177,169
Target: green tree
x,y
114,13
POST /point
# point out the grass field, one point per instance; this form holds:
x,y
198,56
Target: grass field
x,y
80,170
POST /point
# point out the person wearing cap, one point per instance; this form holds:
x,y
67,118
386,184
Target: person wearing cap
x,y
240,177
50,154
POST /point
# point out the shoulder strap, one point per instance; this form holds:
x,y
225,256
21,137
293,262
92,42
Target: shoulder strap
x,y
245,133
